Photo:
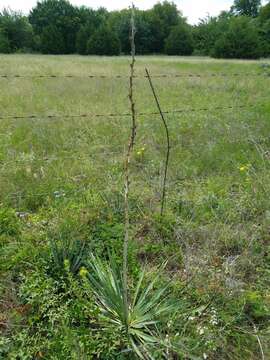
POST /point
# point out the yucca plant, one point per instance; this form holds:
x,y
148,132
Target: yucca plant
x,y
67,253
138,321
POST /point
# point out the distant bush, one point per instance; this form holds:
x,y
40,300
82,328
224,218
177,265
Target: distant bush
x,y
179,41
241,41
104,42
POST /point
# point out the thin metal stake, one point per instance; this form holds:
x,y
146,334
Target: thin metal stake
x,y
168,142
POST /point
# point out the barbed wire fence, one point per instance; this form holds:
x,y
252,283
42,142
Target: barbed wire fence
x,y
171,76
89,76
186,110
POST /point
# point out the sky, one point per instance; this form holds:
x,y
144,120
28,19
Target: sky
x,y
193,10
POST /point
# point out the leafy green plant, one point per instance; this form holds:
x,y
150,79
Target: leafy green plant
x,y
138,321
109,236
9,224
256,306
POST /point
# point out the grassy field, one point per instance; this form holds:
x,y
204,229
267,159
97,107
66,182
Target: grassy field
x,y
63,178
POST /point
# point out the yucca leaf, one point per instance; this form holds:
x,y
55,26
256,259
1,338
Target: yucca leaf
x,y
138,289
137,350
150,287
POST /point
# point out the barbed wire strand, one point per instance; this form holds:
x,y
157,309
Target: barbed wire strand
x,y
183,75
174,111
55,158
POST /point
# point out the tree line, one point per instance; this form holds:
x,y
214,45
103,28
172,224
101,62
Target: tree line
x,y
58,27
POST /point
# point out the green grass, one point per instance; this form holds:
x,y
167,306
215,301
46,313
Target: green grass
x,y
65,176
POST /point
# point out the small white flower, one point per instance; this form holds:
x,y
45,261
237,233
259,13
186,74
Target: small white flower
x,y
59,194
201,331
214,321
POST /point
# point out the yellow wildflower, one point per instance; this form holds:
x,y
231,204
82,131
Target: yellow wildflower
x,y
244,168
66,264
83,272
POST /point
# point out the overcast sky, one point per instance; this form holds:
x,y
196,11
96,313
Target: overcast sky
x,y
192,9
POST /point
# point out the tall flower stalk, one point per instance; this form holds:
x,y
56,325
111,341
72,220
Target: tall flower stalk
x,y
128,159
137,315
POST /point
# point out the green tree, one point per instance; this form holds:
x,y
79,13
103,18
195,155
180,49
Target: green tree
x,y
16,32
265,37
103,42
49,44
162,18
4,43
90,21
82,37
62,19
241,41
264,14
120,23
206,33
180,41
247,7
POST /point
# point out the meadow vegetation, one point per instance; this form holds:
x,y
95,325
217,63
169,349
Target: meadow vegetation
x,y
198,275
